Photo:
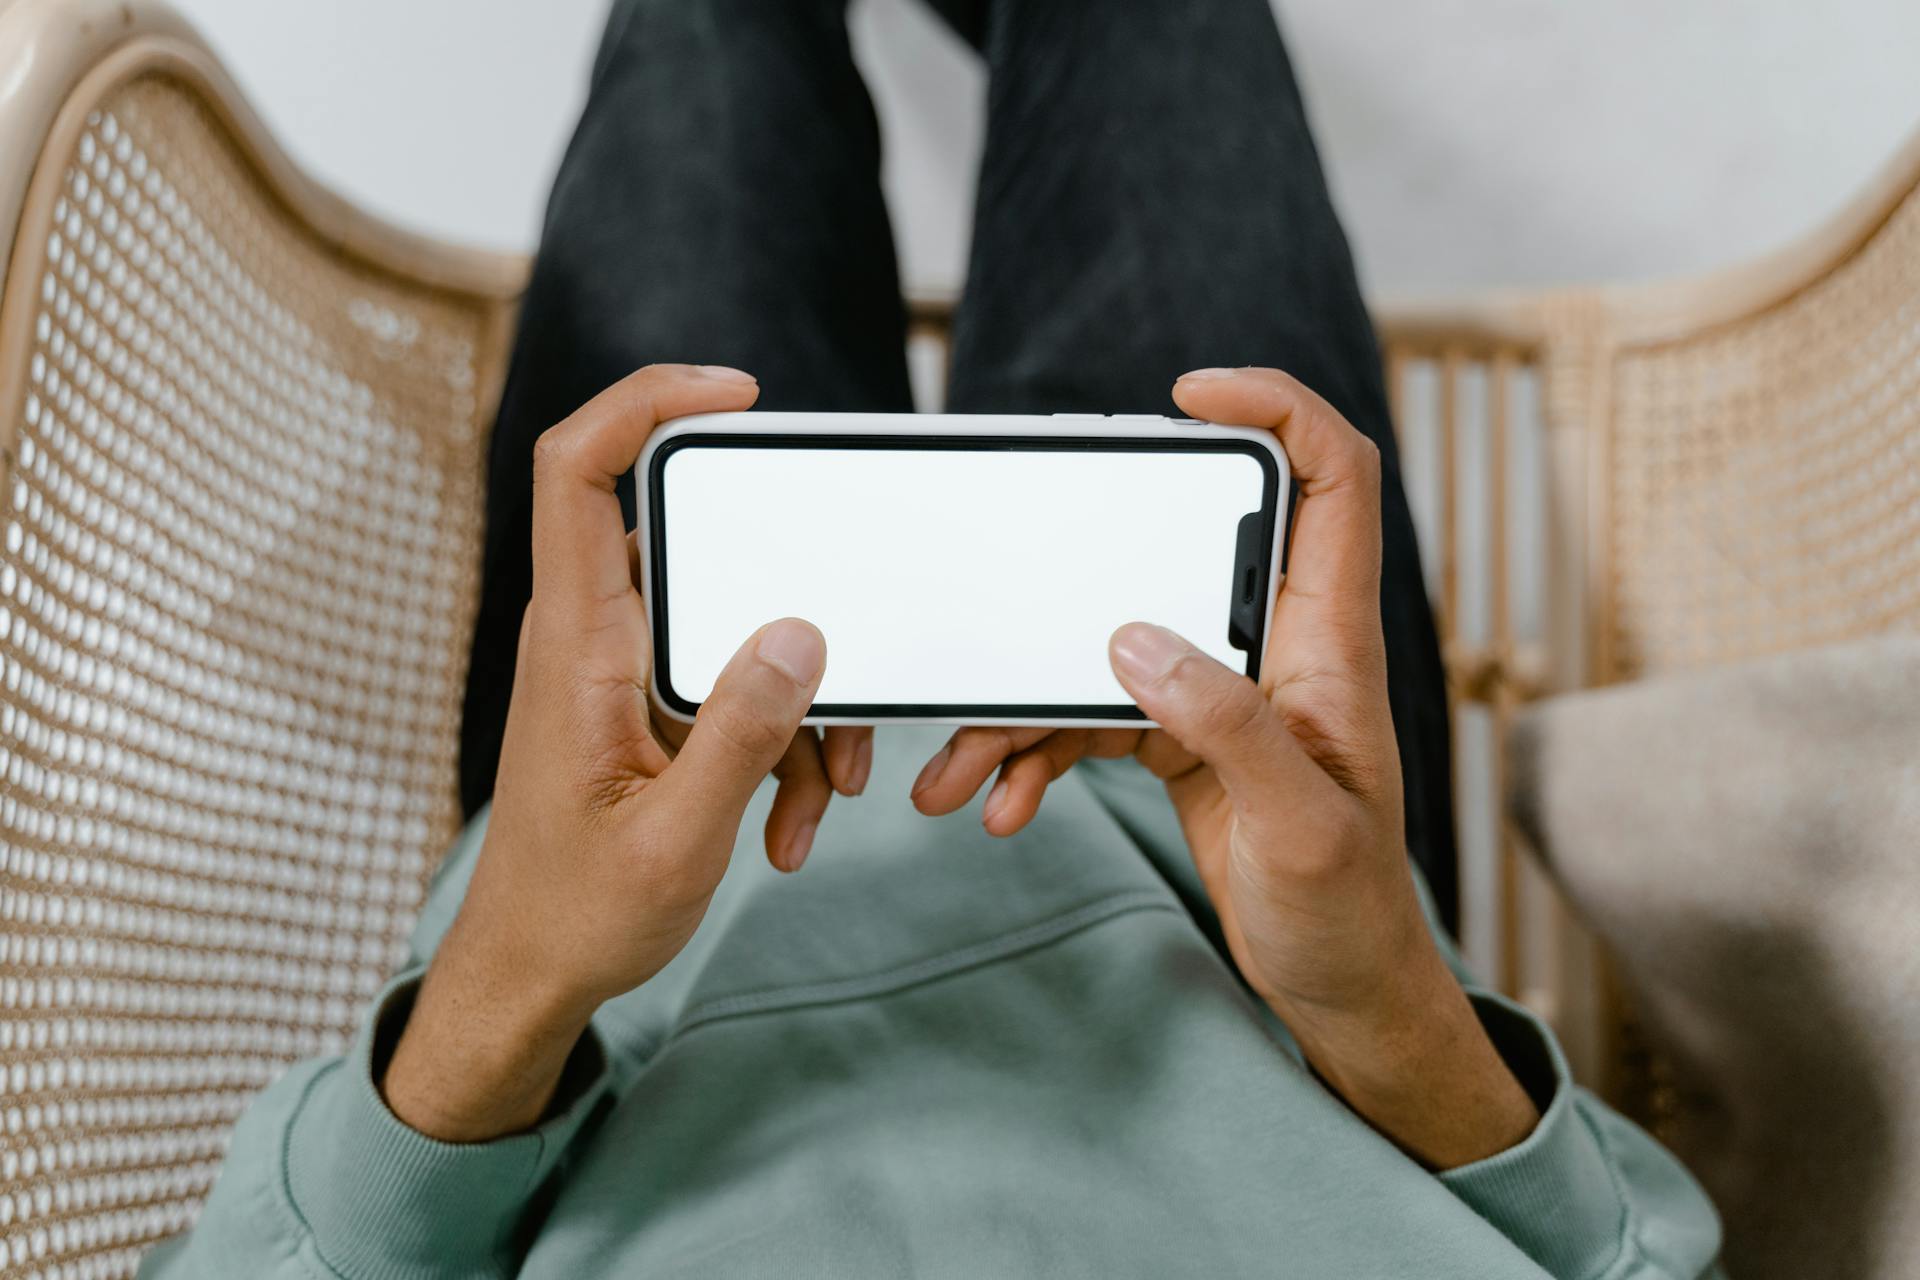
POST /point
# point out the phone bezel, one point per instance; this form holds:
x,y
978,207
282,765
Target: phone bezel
x,y
1008,433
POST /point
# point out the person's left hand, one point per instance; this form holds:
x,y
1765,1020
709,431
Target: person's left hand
x,y
606,839
1288,792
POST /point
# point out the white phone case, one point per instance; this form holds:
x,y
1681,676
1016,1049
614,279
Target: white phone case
x,y
1144,427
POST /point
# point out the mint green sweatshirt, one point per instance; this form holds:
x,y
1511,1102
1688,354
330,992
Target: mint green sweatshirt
x,y
935,1053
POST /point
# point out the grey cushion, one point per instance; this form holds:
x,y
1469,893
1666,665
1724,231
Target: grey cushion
x,y
1747,841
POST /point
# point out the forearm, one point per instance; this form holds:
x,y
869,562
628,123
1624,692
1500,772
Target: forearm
x,y
1585,1192
485,1046
1424,1073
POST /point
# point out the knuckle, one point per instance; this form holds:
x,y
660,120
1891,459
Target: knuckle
x,y
1333,857
648,376
1289,385
1063,751
1262,373
987,745
551,451
1368,460
1235,719
1004,742
630,402
1064,745
638,390
663,872
743,732
1322,850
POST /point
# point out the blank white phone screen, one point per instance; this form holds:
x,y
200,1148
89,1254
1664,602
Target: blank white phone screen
x,y
950,577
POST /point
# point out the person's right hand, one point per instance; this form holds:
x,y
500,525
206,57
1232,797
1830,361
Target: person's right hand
x,y
605,845
1288,793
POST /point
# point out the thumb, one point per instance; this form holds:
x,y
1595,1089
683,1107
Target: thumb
x,y
744,726
1216,713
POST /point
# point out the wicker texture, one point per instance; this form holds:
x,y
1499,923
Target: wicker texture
x,y
1765,475
240,564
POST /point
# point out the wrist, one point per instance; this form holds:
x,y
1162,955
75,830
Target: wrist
x,y
1425,1074
484,1047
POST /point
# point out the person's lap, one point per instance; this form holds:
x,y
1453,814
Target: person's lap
x,y
1150,202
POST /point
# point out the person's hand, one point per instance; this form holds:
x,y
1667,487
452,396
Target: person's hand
x,y
609,833
1289,795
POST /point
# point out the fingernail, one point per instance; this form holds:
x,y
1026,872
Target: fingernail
x,y
935,767
1208,375
862,766
800,846
724,373
1147,652
793,647
996,800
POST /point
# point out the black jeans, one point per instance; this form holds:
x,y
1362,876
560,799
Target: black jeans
x,y
1150,201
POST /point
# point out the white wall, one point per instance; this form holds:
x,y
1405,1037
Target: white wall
x,y
1513,141
1471,142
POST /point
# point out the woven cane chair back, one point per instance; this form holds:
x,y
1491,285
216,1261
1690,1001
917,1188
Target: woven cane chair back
x,y
240,505
1764,475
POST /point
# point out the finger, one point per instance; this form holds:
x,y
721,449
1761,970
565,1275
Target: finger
x,y
746,725
634,572
1016,797
1165,758
958,771
1216,713
849,757
579,546
799,804
1113,744
1024,779
639,643
1333,568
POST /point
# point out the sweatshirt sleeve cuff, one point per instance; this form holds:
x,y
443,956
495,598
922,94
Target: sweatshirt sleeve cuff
x,y
1554,1195
385,1202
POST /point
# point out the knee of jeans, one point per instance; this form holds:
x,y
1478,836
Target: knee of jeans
x,y
722,20
679,47
1140,42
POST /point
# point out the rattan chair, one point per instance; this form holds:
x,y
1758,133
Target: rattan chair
x,y
1731,468
242,431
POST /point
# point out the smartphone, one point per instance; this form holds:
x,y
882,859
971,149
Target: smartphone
x,y
963,569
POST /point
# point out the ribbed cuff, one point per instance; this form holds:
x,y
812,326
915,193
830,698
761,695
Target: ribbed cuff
x,y
1554,1194
385,1202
